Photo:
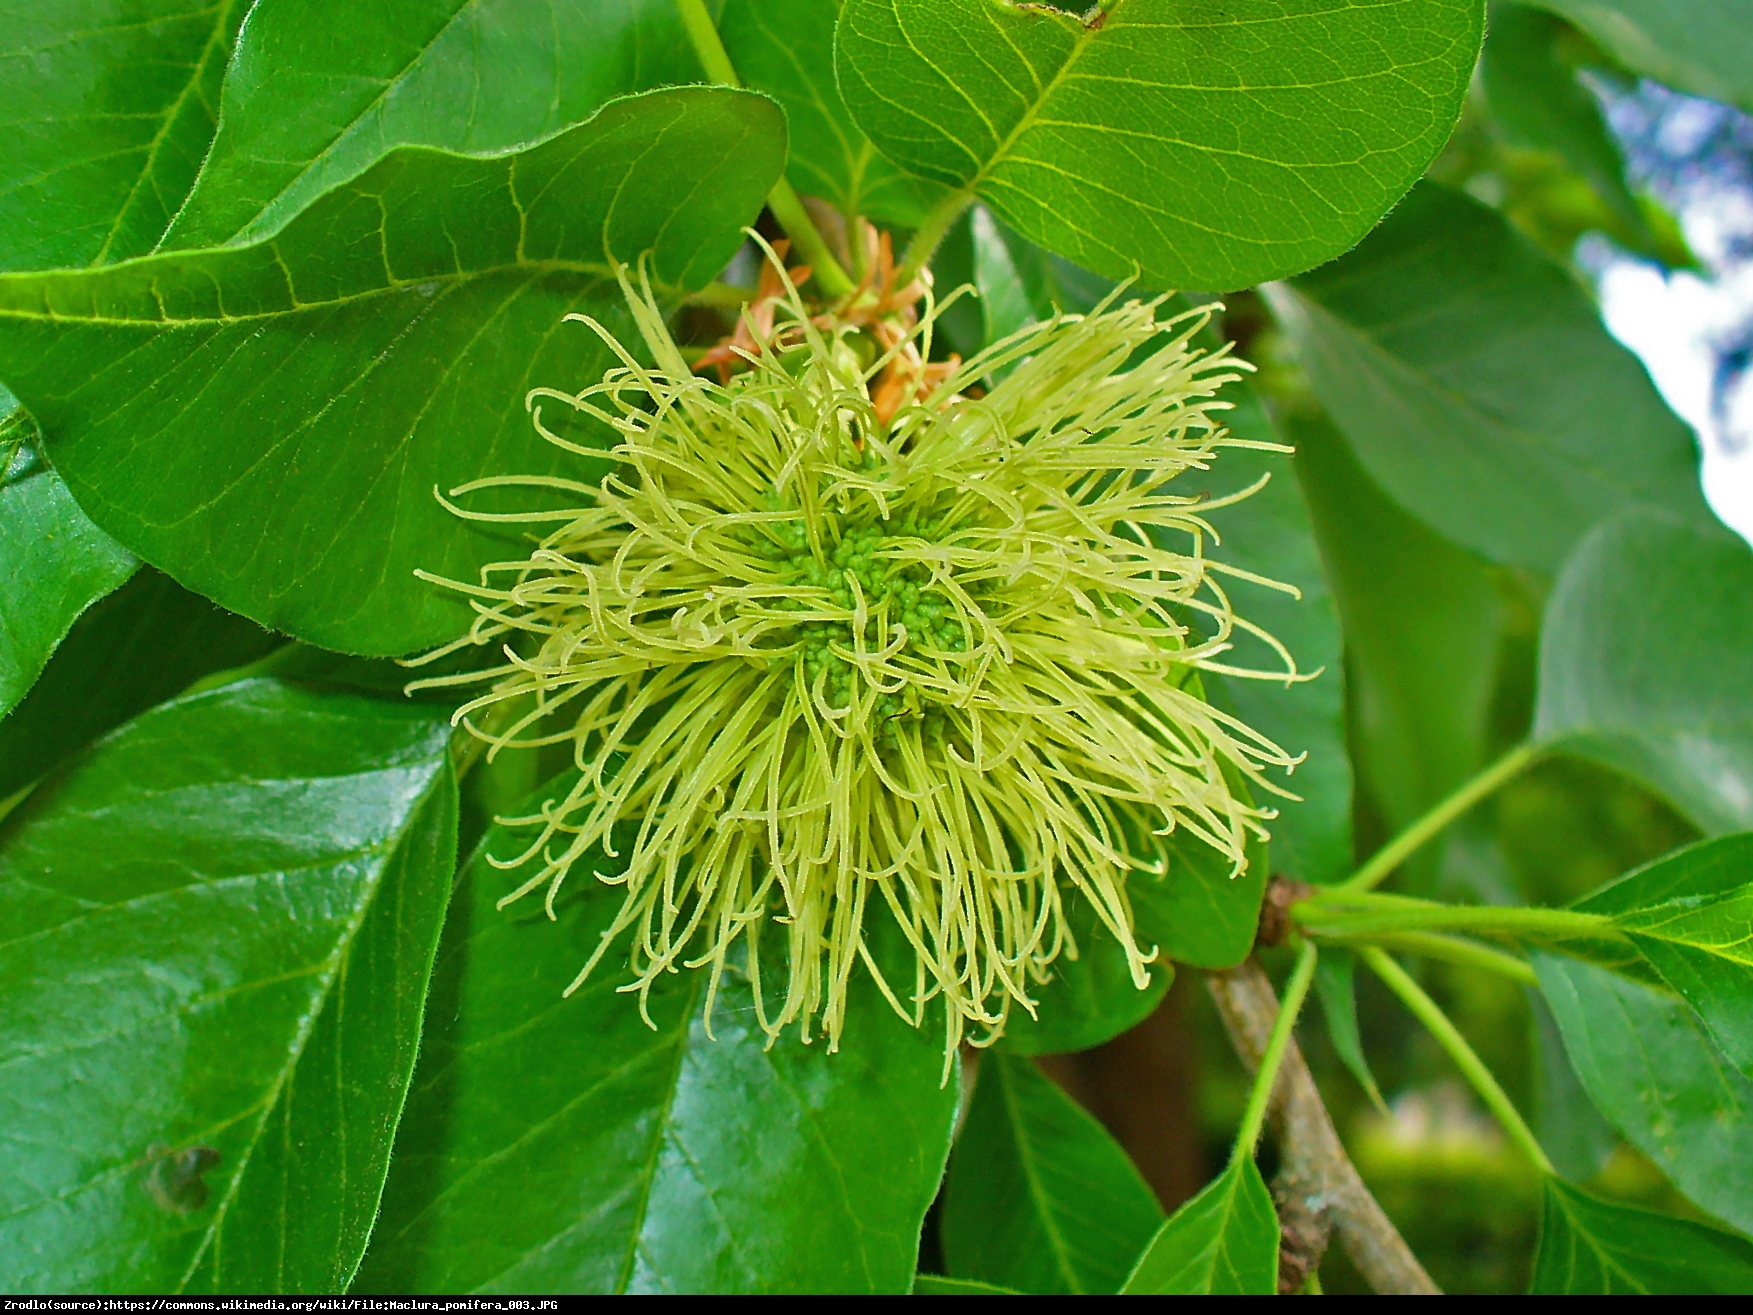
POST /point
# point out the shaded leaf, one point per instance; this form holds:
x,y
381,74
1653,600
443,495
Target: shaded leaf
x,y
1570,1129
1478,385
1591,1247
1538,101
144,643
320,90
215,934
563,1145
786,49
1690,915
1039,1197
108,107
1336,981
55,562
1223,1241
1643,664
268,423
1212,146
1421,622
1649,1066
1701,46
938,1285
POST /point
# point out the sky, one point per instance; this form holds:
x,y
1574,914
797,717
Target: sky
x,y
1693,329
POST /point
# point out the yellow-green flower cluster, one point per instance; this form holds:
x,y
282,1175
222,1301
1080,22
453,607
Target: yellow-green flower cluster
x,y
818,669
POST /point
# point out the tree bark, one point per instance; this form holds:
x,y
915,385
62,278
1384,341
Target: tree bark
x,y
1317,1188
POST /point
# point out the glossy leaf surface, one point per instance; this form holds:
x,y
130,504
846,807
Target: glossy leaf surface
x,y
1691,917
108,107
1222,1242
1701,46
1039,1197
1651,1068
1209,145
268,423
321,89
1591,1247
1476,382
145,643
786,49
216,934
55,562
563,1145
1643,664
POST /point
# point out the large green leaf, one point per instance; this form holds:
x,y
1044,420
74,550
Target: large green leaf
x,y
1591,1247
1039,1197
108,107
1701,46
563,1145
1691,917
215,934
1421,627
786,49
319,90
55,562
147,641
268,423
1477,383
1644,664
1209,145
1649,1066
1222,1242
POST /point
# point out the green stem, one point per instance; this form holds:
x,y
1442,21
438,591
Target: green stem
x,y
1437,1023
1374,916
1452,949
1409,841
1448,1037
931,232
782,200
1296,990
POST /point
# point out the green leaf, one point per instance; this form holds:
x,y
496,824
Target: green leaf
x,y
144,643
215,934
1591,1247
1478,385
1208,145
1336,981
1649,1066
1643,664
563,1145
1421,626
320,90
1538,102
55,562
1690,915
937,1285
1569,1128
1039,1197
1701,46
786,49
109,108
1223,1241
268,423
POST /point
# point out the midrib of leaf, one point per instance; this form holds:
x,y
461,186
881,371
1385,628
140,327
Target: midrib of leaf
x,y
1037,1191
1031,113
198,71
306,1025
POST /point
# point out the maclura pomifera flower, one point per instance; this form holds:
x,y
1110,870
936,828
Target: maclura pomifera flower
x,y
820,664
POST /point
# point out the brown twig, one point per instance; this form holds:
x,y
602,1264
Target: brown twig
x,y
1317,1188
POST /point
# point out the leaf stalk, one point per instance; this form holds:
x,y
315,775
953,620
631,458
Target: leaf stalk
x,y
1296,990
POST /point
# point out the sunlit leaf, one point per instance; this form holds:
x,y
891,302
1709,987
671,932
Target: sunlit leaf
x,y
1040,1198
1224,1241
1206,145
268,423
215,935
